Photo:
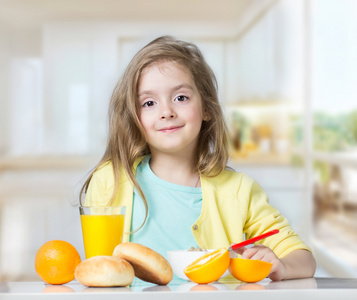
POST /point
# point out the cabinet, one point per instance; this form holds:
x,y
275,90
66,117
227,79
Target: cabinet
x,y
38,203
264,84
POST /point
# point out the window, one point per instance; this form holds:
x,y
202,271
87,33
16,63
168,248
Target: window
x,y
333,114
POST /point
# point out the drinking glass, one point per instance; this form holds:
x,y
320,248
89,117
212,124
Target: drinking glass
x,y
102,228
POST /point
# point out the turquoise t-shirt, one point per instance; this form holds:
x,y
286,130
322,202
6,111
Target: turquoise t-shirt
x,y
173,209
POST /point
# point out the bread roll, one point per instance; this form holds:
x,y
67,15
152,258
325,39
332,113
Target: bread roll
x,y
104,271
148,264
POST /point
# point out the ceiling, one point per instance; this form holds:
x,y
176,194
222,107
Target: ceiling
x,y
32,14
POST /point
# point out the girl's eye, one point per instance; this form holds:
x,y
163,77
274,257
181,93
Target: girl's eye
x,y
181,98
149,103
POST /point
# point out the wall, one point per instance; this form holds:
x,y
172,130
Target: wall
x,y
4,79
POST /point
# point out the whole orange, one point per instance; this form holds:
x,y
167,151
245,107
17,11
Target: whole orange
x,y
56,261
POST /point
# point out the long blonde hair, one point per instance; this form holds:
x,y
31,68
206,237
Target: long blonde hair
x,y
127,141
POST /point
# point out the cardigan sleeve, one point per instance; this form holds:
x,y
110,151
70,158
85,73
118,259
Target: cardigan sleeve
x,y
101,187
262,217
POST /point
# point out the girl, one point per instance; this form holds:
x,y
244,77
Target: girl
x,y
166,161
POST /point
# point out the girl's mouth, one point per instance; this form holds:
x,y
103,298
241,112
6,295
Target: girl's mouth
x,y
170,129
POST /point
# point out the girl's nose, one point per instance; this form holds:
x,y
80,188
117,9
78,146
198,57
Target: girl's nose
x,y
167,112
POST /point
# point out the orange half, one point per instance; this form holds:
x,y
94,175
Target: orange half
x,y
249,270
209,267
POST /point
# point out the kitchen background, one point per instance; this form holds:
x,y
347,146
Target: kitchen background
x,y
287,74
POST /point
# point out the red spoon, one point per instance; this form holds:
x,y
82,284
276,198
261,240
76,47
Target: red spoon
x,y
253,240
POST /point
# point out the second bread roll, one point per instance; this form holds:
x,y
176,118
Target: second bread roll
x,y
148,264
104,271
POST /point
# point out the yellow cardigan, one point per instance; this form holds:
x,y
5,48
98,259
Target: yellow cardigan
x,y
232,204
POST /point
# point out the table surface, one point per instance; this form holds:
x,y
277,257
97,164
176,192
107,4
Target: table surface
x,y
311,288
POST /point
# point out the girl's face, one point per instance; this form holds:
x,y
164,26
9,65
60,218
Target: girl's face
x,y
170,108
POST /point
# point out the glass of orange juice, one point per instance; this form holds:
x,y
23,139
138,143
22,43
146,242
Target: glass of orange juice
x,y
102,229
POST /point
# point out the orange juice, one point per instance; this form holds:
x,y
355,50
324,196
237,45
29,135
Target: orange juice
x,y
101,233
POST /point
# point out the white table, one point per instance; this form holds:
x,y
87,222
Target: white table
x,y
312,288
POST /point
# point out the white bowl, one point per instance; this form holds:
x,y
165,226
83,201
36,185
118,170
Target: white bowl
x,y
180,259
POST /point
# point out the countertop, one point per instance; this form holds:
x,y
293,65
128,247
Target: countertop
x,y
311,288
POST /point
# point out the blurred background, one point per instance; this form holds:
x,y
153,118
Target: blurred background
x,y
287,74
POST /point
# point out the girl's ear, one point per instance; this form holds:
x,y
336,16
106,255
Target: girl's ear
x,y
206,116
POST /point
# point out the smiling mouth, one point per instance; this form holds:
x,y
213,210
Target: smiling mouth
x,y
170,129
